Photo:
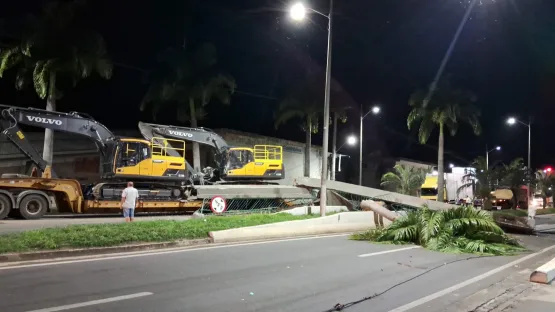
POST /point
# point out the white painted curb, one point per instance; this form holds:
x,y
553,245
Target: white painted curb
x,y
544,274
340,223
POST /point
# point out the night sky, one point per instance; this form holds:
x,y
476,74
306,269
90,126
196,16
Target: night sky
x,y
382,51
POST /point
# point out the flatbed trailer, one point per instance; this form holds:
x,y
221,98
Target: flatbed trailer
x,y
33,197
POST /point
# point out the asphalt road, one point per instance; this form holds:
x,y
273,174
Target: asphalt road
x,y
296,275
12,226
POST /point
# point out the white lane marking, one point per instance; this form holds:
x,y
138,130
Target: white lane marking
x,y
473,280
156,253
94,302
386,252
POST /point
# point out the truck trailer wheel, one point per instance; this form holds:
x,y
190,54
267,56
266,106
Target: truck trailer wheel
x,y
5,206
33,206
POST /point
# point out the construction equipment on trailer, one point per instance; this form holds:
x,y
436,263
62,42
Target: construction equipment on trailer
x,y
156,173
233,164
121,158
157,166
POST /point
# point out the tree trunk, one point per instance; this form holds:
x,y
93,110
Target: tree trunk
x,y
308,147
440,166
196,149
334,154
48,148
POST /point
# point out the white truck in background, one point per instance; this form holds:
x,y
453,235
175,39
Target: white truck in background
x,y
453,183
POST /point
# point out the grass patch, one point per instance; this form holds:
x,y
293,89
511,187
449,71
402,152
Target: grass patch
x,y
545,211
105,235
511,212
523,213
458,230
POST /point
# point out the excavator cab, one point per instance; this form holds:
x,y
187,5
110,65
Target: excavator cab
x,y
260,162
137,158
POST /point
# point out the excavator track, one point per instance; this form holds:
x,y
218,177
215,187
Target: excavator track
x,y
147,191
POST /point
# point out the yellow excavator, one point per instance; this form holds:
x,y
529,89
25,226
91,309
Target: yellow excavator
x,y
233,164
157,158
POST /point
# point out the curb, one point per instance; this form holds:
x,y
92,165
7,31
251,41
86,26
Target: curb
x,y
253,234
65,253
544,274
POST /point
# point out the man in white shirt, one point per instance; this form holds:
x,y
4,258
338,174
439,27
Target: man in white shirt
x,y
129,201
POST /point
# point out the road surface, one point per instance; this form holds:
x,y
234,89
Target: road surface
x,y
293,275
12,226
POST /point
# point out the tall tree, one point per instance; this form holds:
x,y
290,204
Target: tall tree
x,y
304,103
55,51
514,175
406,180
447,108
188,81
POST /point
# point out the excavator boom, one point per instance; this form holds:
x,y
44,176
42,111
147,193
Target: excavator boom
x,y
11,117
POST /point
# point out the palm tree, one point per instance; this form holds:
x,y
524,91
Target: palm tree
x,y
446,109
188,81
544,184
480,180
304,103
406,180
55,49
514,175
461,230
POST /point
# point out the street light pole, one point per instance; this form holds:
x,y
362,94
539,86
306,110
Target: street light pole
x,y
529,161
487,158
497,148
324,178
374,110
360,148
334,139
512,121
297,13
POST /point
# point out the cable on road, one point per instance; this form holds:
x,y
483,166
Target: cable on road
x,y
341,307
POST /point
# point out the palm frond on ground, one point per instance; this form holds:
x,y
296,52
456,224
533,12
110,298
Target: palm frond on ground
x,y
459,230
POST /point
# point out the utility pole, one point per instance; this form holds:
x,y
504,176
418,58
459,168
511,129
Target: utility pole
x,y
325,148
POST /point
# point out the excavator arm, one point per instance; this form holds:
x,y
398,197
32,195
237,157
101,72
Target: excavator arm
x,y
12,117
204,136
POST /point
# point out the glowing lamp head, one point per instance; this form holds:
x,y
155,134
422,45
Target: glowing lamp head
x,y
511,121
352,140
498,148
376,110
297,12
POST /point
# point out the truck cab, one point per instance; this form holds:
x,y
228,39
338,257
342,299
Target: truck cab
x,y
429,189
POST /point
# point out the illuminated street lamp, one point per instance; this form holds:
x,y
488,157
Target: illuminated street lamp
x,y
351,140
512,121
298,13
374,110
497,148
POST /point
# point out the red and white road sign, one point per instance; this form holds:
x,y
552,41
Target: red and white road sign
x,y
218,205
